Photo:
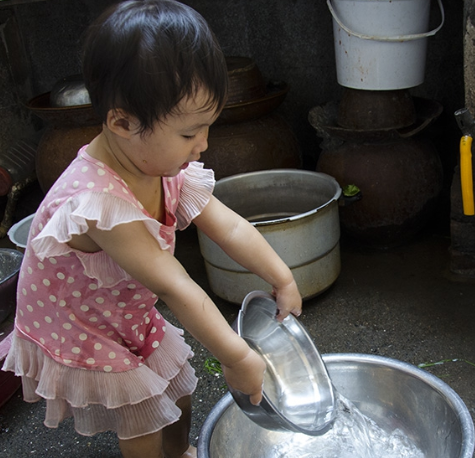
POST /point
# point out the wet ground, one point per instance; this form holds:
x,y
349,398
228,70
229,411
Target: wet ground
x,y
402,303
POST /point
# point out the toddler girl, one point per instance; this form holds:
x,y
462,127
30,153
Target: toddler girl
x,y
88,338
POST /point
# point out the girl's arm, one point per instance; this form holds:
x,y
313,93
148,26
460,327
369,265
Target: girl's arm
x,y
138,253
243,243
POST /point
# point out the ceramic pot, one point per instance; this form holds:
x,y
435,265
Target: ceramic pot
x,y
400,182
67,130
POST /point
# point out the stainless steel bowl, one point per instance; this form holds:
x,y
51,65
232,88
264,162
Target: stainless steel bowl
x,y
10,262
69,92
298,395
394,394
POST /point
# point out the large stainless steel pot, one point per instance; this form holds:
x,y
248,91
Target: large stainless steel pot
x,y
392,393
297,213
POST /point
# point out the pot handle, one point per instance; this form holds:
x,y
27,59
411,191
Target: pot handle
x,y
415,36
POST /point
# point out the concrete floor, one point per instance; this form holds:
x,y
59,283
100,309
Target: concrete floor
x,y
402,303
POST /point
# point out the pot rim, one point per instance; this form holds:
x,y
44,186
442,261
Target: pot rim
x,y
299,216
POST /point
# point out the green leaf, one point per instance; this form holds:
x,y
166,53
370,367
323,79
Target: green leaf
x,y
350,190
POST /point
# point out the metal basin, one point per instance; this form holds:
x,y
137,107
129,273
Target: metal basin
x,y
297,213
10,262
298,394
392,393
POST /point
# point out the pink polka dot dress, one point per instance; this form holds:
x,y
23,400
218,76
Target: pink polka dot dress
x,y
88,337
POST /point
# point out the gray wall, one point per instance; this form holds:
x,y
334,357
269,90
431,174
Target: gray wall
x,y
291,41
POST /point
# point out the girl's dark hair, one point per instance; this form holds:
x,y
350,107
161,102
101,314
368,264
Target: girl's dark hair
x,y
144,56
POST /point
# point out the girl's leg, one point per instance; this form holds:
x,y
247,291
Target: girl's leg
x,y
149,446
175,439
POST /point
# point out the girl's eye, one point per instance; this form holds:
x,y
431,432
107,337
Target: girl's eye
x,y
189,137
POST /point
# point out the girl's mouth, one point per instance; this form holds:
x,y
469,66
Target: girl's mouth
x,y
184,166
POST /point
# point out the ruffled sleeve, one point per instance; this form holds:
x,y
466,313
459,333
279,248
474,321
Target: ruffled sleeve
x,y
49,239
196,191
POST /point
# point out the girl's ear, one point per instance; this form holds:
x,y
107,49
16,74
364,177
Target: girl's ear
x,y
121,123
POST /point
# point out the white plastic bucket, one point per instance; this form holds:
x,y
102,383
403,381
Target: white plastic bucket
x,y
381,44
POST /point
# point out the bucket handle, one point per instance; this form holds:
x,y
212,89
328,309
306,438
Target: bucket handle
x,y
397,38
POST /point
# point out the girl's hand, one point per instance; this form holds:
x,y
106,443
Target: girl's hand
x,y
247,376
288,301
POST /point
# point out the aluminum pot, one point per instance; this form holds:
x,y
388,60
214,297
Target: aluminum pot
x,y
297,213
392,393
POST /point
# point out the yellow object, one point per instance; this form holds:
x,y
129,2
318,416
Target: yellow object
x,y
466,177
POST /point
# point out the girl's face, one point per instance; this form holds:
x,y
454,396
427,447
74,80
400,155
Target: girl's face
x,y
176,141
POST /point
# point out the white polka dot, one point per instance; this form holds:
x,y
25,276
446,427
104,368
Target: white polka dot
x,y
48,319
90,185
131,286
46,282
164,328
107,368
54,336
62,303
127,361
70,280
29,270
101,172
53,298
60,275
100,300
36,324
24,292
83,336
128,316
137,297
107,313
102,327
153,330
155,344
67,361
115,325
76,293
134,327
27,329
29,308
90,360
147,320
141,337
93,319
57,352
97,346
40,266
115,292
110,333
34,287
84,169
42,340
84,308
72,317
112,355
93,287
142,306
53,261
121,305
67,326
76,350
76,184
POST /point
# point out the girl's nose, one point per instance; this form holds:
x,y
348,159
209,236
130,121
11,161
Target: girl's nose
x,y
203,140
